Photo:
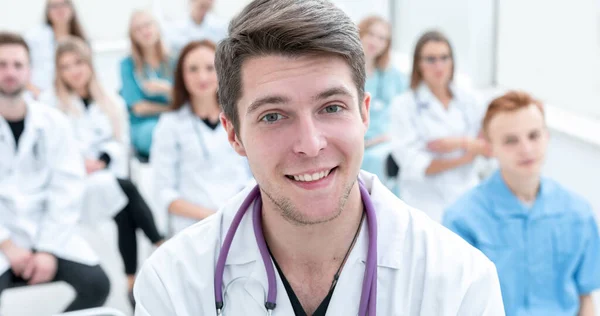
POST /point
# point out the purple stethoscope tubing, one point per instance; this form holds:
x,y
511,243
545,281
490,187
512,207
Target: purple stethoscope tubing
x,y
369,287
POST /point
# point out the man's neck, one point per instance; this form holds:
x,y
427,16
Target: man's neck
x,y
13,109
308,245
525,189
206,107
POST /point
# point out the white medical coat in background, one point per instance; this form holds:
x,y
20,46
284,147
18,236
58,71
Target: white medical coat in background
x,y
418,118
42,46
422,269
41,187
103,197
193,162
177,34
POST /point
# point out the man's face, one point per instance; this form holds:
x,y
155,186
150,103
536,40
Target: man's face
x,y
14,70
519,140
302,128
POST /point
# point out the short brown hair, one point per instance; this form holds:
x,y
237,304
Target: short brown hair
x,y
430,36
181,95
287,28
382,61
7,38
509,102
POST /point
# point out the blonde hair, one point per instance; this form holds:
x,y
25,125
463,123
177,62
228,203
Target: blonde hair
x,y
64,93
136,49
383,60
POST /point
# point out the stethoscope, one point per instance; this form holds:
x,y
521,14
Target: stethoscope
x,y
422,105
369,286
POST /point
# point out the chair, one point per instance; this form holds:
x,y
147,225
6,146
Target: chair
x,y
101,311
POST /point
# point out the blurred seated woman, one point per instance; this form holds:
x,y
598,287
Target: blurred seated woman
x,y
384,82
195,168
99,123
435,131
146,76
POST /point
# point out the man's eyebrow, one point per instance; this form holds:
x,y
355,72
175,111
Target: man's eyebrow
x,y
335,91
271,99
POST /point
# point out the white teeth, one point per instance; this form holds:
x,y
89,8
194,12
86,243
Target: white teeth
x,y
313,177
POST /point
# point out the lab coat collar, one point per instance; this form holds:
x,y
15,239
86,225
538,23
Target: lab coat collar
x,y
244,249
34,122
506,202
424,93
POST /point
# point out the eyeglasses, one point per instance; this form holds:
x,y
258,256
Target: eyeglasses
x,y
59,5
434,59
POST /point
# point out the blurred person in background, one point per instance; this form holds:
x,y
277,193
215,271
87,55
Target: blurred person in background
x,y
195,168
435,131
200,25
384,82
60,21
146,76
99,122
41,188
542,237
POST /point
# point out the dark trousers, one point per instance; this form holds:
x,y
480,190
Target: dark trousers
x,y
90,283
136,214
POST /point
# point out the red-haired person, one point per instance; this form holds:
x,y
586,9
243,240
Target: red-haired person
x,y
542,237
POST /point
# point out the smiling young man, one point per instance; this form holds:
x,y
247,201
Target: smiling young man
x,y
543,238
291,78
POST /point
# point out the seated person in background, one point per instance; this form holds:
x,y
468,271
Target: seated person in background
x,y
384,82
195,169
146,76
543,238
435,128
98,119
200,25
61,21
41,185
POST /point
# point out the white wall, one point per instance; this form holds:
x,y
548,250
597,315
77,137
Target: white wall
x,y
552,52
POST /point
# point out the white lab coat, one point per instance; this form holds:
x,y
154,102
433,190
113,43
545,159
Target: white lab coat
x,y
419,118
192,162
177,34
41,186
103,197
42,46
423,269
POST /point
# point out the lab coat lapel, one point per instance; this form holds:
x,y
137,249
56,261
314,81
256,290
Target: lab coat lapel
x,y
32,133
7,144
244,250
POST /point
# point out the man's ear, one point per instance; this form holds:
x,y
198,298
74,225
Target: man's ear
x,y
365,107
234,140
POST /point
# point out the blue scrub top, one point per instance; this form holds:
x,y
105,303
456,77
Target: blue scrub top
x,y
132,92
383,85
547,256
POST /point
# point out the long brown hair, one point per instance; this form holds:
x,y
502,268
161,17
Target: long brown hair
x,y
383,60
181,95
431,36
75,28
136,49
64,93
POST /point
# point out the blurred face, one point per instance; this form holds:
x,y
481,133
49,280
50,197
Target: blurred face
x,y
59,11
435,63
14,70
518,140
74,71
199,73
144,30
376,40
302,128
199,8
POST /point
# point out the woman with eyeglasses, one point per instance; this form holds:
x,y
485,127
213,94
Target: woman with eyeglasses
x,y
60,22
435,130
384,82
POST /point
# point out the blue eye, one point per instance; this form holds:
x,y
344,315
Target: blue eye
x,y
332,108
271,117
